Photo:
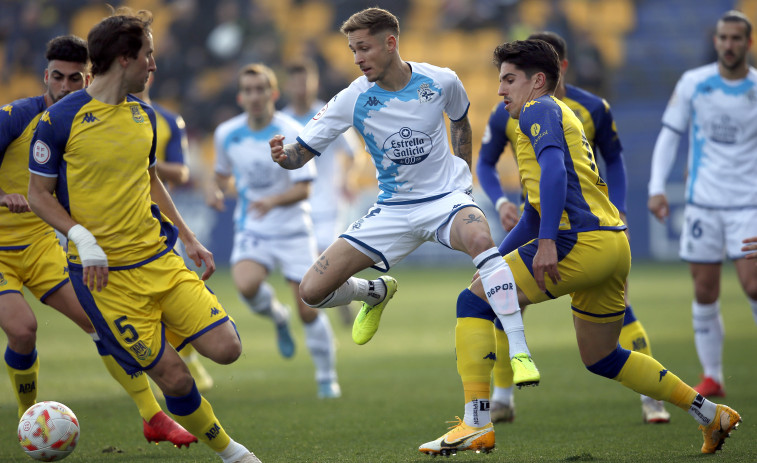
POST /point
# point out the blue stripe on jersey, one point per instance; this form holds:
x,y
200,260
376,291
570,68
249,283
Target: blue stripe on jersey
x,y
373,100
578,210
709,85
15,118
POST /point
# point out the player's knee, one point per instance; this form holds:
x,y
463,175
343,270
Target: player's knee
x,y
177,384
470,305
310,293
479,242
611,364
229,352
22,338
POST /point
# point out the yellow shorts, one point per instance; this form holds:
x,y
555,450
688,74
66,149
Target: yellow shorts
x,y
593,266
134,313
40,266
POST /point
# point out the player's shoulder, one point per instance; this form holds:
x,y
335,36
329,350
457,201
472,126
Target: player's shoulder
x,y
163,112
585,98
230,125
499,115
284,121
699,74
436,73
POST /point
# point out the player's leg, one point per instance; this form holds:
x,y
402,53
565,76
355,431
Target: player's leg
x,y
634,337
319,339
502,406
249,278
199,372
709,331
20,326
475,352
747,271
469,232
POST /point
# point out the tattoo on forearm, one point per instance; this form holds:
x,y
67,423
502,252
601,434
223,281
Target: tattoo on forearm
x,y
462,140
296,156
321,265
472,218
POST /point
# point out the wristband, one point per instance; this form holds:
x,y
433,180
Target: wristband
x,y
90,253
502,200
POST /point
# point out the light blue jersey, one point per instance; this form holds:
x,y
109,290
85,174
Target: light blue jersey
x,y
245,154
404,132
720,115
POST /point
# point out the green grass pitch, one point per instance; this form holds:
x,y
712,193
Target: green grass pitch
x,y
401,388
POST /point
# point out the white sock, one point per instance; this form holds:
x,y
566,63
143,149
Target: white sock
x,y
708,337
355,289
477,413
753,304
320,341
703,410
233,452
503,395
502,295
264,303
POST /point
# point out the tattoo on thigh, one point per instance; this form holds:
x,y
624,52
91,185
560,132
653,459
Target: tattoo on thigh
x,y
321,265
472,218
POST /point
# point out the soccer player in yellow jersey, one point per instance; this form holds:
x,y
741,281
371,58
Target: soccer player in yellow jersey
x,y
31,256
569,240
95,150
171,150
599,127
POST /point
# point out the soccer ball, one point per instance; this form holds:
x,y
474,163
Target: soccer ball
x,y
48,431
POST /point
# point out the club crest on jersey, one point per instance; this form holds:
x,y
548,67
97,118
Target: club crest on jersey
x,y
141,350
321,112
408,146
425,94
136,115
41,152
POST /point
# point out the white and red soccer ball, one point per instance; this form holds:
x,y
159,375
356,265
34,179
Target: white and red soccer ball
x,y
48,431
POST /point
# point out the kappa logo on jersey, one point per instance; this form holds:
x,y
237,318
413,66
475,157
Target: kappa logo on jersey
x,y
8,108
372,101
136,115
214,311
41,152
663,372
425,94
408,147
89,118
321,112
373,212
490,356
46,118
530,103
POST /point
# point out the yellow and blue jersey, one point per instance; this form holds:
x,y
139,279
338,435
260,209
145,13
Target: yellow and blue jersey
x,y
595,115
100,154
171,131
17,123
548,122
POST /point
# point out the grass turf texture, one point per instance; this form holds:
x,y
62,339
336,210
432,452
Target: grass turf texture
x,y
400,388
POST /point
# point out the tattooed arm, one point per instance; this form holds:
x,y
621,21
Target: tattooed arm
x,y
461,135
291,156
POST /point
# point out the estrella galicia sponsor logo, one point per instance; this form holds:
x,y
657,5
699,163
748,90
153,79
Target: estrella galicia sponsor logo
x,y
506,287
372,101
425,94
536,133
89,118
408,146
136,115
141,350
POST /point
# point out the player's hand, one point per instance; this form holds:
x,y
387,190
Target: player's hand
x,y
199,255
262,207
658,205
93,258
15,202
214,198
508,215
277,149
750,244
545,261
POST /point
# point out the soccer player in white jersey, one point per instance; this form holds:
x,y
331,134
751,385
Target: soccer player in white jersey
x,y
272,226
398,107
717,103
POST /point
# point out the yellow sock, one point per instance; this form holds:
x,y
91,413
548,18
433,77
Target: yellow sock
x,y
24,383
203,423
634,337
503,372
647,376
475,347
137,386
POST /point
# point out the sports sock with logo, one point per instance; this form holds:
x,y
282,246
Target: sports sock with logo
x,y
23,370
136,385
708,338
196,415
319,338
633,336
355,289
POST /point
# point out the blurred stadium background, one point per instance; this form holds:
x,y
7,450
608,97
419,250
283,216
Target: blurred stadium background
x,y
629,51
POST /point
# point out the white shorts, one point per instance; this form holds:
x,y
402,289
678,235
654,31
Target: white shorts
x,y
709,235
326,230
292,254
388,233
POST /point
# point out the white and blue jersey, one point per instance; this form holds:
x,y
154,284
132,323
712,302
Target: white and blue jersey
x,y
404,132
246,154
720,115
